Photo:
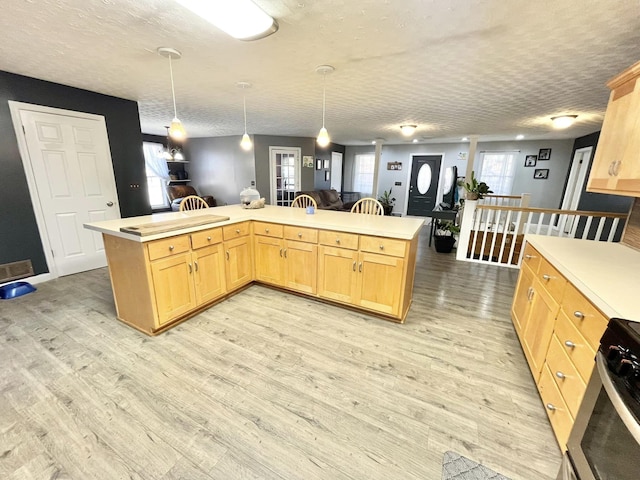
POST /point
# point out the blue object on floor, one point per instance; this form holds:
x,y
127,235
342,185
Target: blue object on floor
x,y
15,289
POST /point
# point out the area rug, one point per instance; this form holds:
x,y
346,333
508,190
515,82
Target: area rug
x,y
457,467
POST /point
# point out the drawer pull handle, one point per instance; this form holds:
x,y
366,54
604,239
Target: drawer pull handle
x,y
551,407
337,240
354,266
208,239
529,257
381,247
266,230
281,252
195,264
561,375
360,267
616,168
569,344
578,314
546,277
171,247
299,235
285,253
190,269
237,230
227,254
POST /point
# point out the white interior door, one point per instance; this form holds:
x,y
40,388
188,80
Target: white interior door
x,y
577,177
284,168
72,173
336,171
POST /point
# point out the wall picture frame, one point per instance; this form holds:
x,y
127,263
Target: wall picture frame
x,y
327,164
307,161
318,164
327,175
541,173
530,160
544,154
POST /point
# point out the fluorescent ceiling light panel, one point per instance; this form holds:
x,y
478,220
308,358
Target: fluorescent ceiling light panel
x,y
242,19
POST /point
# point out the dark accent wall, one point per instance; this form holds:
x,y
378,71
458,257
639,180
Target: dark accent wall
x,y
19,235
323,154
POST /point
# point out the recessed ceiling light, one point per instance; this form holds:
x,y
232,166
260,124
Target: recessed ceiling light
x,y
242,19
415,140
407,130
519,137
465,139
563,121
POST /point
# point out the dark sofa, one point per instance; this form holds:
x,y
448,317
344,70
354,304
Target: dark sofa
x,y
328,200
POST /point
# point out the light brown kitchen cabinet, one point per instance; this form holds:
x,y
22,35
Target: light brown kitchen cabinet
x,y
521,307
300,266
238,262
173,286
616,165
337,274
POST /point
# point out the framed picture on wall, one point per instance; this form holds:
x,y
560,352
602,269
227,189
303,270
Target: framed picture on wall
x,y
327,175
307,161
326,164
541,173
544,154
318,164
530,160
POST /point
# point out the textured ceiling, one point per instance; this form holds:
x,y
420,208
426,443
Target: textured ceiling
x,y
492,68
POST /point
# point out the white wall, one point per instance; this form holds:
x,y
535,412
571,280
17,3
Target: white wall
x,y
544,193
219,167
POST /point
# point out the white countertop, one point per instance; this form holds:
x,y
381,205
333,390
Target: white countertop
x,y
608,274
395,227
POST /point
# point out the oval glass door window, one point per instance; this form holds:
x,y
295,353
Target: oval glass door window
x,y
424,178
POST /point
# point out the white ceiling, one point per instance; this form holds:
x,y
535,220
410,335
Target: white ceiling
x,y
493,68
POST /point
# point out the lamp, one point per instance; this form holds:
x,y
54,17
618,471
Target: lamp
x,y
245,143
323,136
169,153
563,121
407,130
176,130
242,19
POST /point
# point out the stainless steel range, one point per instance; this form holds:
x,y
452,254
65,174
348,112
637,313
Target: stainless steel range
x,y
605,441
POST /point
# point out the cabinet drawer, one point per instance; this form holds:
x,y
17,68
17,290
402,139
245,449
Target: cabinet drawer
x,y
168,246
339,239
587,318
309,235
531,258
575,346
557,410
384,246
206,238
565,375
230,232
267,229
552,280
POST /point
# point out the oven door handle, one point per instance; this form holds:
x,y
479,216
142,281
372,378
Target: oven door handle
x,y
616,400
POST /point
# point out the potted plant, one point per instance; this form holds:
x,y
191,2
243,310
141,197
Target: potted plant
x,y
476,190
444,236
387,202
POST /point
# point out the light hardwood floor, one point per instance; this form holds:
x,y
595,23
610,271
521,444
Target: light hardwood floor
x,y
268,385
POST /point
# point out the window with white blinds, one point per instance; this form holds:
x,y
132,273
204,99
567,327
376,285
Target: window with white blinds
x,y
497,171
363,174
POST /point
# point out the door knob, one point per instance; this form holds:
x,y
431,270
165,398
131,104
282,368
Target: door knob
x,y
109,204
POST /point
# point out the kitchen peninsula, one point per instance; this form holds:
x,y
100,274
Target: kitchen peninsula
x,y
159,279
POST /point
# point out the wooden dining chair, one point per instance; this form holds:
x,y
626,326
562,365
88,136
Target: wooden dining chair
x,y
192,202
304,201
368,206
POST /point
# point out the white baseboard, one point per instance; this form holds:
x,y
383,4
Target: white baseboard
x,y
43,277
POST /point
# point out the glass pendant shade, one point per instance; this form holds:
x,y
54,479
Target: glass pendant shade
x,y
246,142
323,137
177,155
176,130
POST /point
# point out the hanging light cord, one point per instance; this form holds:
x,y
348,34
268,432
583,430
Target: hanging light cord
x,y
244,107
173,92
324,95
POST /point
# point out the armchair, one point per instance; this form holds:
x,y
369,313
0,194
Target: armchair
x,y
177,192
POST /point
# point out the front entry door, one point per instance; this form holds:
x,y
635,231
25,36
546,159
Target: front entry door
x,y
73,174
423,186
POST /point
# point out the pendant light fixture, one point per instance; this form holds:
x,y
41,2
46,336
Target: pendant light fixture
x,y
246,143
323,136
176,130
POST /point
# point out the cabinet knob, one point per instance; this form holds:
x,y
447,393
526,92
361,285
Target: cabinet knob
x,y
237,230
208,239
266,230
578,314
381,247
569,344
551,407
546,277
561,375
337,240
171,247
299,235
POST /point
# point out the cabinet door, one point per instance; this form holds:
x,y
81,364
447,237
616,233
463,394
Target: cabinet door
x,y
337,274
208,265
300,263
173,286
380,282
238,262
522,299
269,260
539,328
616,135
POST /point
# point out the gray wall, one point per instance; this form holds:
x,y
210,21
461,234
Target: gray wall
x,y
325,154
218,166
544,193
261,144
